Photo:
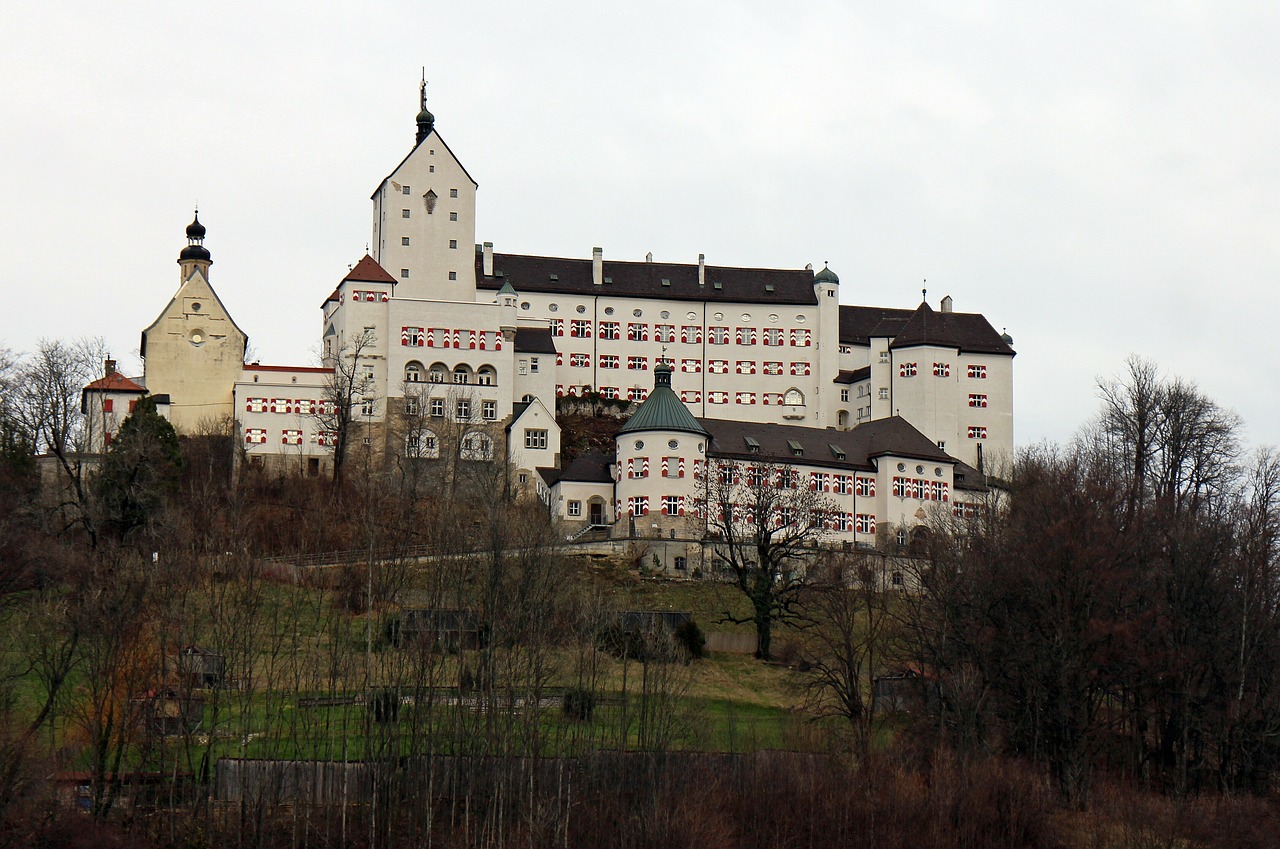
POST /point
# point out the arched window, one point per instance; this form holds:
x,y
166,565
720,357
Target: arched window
x,y
486,376
422,444
413,372
437,373
461,374
527,399
842,418
793,398
476,446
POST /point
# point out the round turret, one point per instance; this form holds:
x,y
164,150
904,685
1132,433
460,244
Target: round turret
x,y
1006,338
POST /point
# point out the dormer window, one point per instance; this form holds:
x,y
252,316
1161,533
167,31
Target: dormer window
x,y
797,450
836,451
752,445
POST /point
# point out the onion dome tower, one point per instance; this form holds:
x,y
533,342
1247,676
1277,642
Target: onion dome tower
x,y
195,256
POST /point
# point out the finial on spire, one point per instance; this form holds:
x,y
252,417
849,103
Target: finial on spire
x,y
924,294
425,119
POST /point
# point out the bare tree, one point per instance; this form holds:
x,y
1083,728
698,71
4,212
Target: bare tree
x,y
349,395
765,520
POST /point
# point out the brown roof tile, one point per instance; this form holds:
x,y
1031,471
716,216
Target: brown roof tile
x,y
859,324
367,270
645,280
115,382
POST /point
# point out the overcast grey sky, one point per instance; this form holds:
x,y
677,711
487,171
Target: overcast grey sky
x,y
1099,178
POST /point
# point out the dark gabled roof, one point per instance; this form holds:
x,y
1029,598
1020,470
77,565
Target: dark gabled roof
x,y
893,435
589,468
645,280
859,324
855,376
534,340
367,270
966,331
969,479
549,474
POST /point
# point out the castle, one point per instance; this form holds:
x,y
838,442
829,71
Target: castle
x,y
461,354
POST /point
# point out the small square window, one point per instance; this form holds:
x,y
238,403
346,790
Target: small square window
x,y
404,241
453,244
575,508
405,190
453,216
404,213
404,272
453,193
453,275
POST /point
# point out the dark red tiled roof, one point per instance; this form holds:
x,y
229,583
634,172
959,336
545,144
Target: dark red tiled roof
x,y
115,382
645,280
893,435
367,270
969,332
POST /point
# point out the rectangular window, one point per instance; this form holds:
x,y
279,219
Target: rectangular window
x,y
453,275
533,365
907,370
637,393
718,335
405,190
745,336
977,400
637,332
453,193
453,244
580,360
747,398
609,391
976,432
580,329
664,332
557,327
843,484
671,505
773,336
523,367
367,407
690,334
884,356
866,523
942,369
412,337
412,407
746,367
453,216
844,395
489,410
108,406
800,368
637,363
462,411
404,241
884,393
718,397
536,439
977,372
772,368
404,213
672,467
691,366
608,361
865,487
801,338
691,396
575,508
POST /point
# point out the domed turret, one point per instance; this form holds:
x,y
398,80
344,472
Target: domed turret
x,y
826,275
195,251
1005,337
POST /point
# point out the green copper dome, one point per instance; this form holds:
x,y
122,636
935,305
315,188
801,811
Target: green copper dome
x,y
663,409
826,275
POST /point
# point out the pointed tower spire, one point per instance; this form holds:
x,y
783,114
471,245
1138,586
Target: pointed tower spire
x,y
425,119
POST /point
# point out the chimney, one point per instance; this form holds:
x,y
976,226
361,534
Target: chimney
x,y
597,266
946,304
109,367
702,269
648,257
486,262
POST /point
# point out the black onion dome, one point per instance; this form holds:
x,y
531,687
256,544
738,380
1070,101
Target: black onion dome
x,y
195,230
195,252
